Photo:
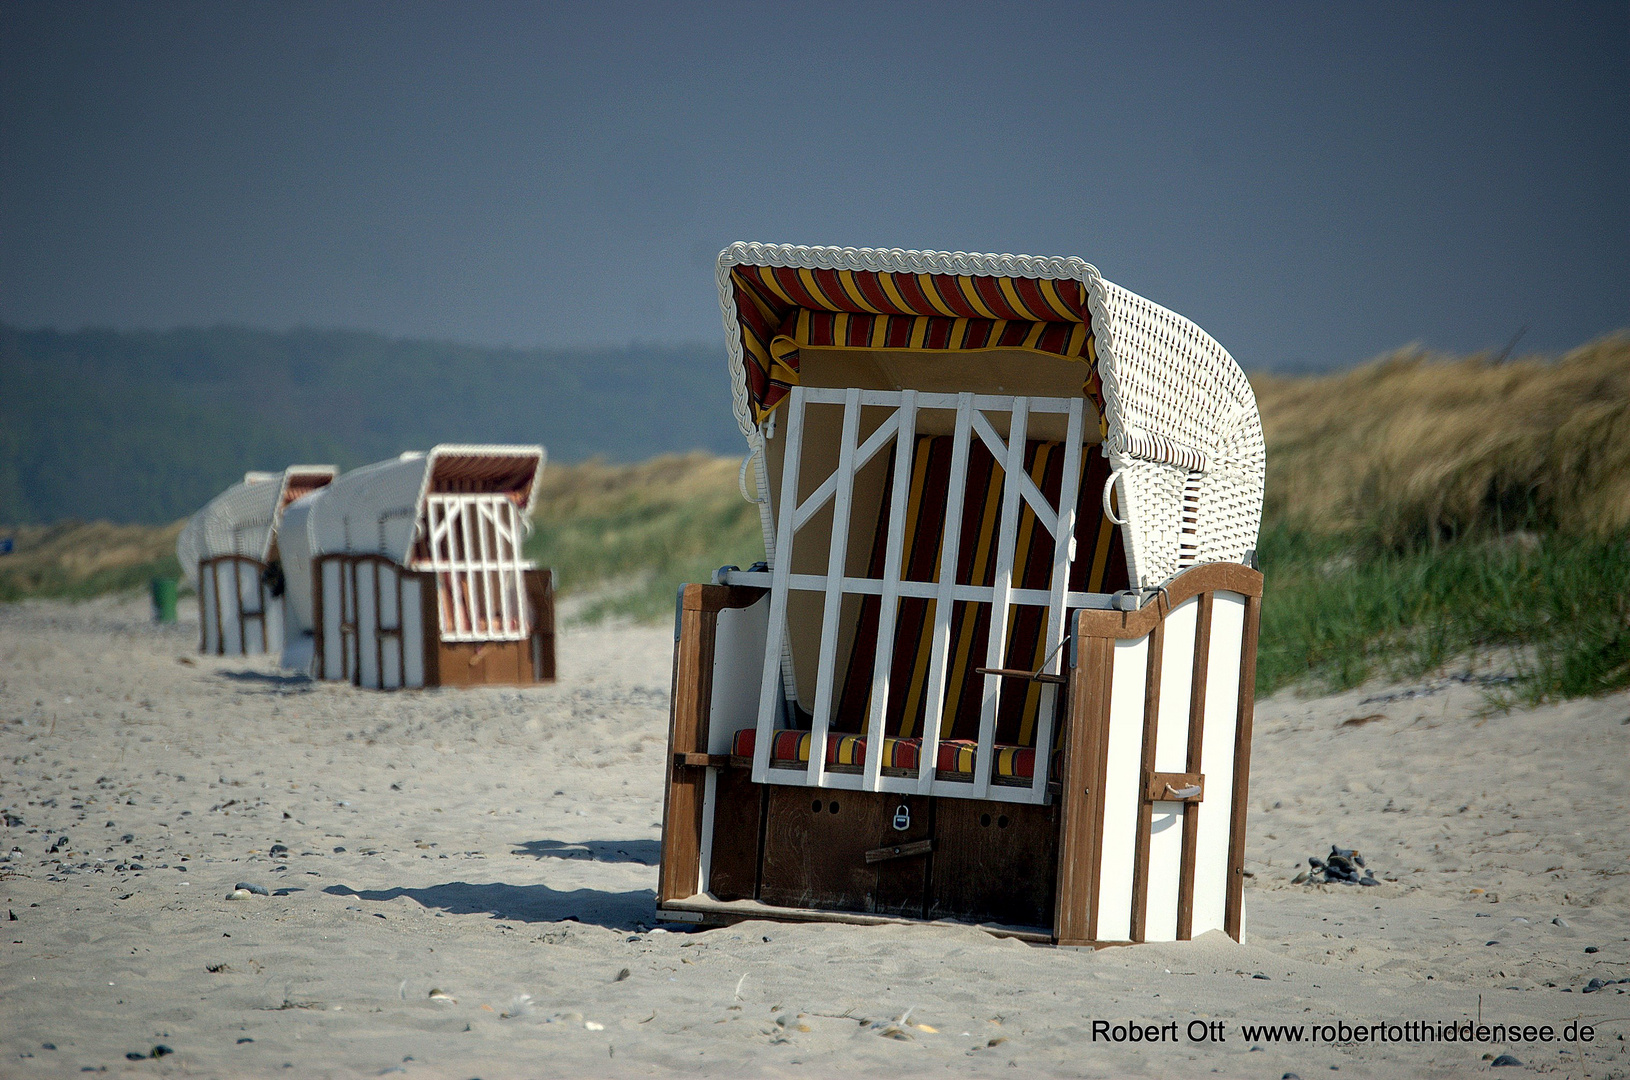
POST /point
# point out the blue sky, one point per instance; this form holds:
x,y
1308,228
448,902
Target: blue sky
x,y
1312,183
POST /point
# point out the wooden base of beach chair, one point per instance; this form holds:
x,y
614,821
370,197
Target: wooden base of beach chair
x,y
1143,839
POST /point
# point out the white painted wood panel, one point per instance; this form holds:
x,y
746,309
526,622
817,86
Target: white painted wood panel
x,y
1165,871
412,634
1121,796
390,617
367,625
1217,762
738,662
333,587
226,586
206,612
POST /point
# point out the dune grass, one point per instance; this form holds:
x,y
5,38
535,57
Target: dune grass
x,y
634,533
1419,509
1336,611
76,559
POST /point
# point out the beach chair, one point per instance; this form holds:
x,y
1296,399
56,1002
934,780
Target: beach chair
x,y
230,555
998,665
410,573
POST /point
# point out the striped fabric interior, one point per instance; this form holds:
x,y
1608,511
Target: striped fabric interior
x,y
1099,566
782,309
847,753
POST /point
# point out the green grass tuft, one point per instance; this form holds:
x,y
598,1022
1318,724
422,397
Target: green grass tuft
x,y
1338,611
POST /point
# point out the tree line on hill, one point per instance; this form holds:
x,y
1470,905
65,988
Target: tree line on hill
x,y
147,426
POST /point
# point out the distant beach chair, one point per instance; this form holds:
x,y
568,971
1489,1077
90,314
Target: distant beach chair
x,y
410,573
999,666
230,555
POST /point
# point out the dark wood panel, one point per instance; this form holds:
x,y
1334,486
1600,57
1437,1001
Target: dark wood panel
x,y
1075,920
738,835
815,845
687,734
994,862
540,595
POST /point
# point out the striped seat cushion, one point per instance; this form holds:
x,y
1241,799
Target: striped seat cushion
x,y
956,756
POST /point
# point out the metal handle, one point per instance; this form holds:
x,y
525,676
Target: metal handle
x,y
1184,792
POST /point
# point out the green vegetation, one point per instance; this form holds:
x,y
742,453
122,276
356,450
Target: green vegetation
x,y
75,560
634,533
1419,509
1422,508
1339,610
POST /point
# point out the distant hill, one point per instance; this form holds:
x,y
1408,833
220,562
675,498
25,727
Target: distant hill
x,y
147,426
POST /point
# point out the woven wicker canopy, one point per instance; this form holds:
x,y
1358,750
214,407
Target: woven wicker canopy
x,y
1177,415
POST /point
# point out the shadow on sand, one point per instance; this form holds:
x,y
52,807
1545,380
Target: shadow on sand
x,y
270,680
644,852
525,903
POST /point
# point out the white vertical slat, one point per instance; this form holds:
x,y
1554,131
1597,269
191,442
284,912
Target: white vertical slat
x,y
1069,490
905,442
1217,761
483,518
769,699
1123,780
950,545
996,645
837,556
466,605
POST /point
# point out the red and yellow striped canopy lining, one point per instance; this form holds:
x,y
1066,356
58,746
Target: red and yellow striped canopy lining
x,y
782,309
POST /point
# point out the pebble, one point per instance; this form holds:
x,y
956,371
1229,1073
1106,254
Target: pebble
x,y
1505,1059
258,890
1591,949
1560,921
239,894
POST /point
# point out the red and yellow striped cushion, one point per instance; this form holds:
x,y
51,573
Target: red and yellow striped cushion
x,y
955,755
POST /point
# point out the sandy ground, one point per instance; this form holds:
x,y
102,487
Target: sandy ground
x,y
461,884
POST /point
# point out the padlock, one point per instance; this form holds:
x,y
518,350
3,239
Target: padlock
x,y
902,817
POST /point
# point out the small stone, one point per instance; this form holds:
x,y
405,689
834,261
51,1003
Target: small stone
x,y
258,890
1299,878
160,1050
245,1039
135,1055
1505,1059
1591,949
1560,921
1290,1076
339,851
1368,879
240,894
48,1046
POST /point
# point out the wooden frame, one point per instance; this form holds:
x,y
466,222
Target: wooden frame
x,y
384,632
1167,687
224,623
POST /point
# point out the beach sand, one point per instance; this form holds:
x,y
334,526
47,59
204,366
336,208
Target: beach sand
x,y
461,885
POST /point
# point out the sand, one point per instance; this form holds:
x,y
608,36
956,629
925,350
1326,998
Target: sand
x,y
460,883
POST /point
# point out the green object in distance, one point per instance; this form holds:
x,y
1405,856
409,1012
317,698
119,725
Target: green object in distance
x,y
164,599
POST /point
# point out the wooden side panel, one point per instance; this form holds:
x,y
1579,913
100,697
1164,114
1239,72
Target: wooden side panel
x,y
367,609
1234,920
229,606
1165,869
687,734
1122,805
1082,791
738,835
1194,760
430,630
412,597
1146,760
209,613
994,862
540,594
1215,814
